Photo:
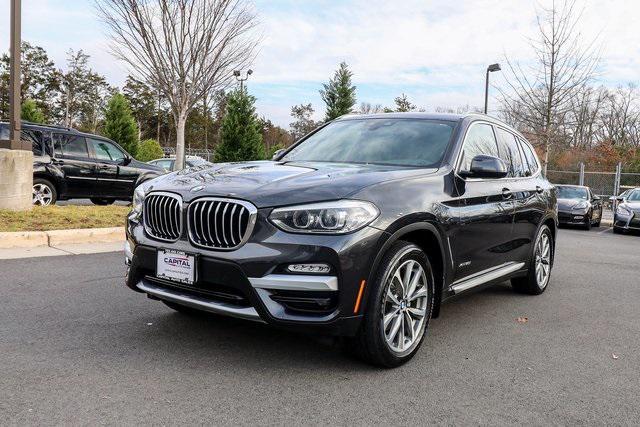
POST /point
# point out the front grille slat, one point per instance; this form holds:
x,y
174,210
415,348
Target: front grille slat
x,y
163,216
218,223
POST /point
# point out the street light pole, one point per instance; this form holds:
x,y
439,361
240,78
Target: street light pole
x,y
238,77
14,77
490,69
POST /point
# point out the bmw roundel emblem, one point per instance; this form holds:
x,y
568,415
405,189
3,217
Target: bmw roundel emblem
x,y
197,188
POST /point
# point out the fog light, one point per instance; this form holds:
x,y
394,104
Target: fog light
x,y
309,268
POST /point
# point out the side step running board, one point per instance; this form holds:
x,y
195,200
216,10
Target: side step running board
x,y
485,276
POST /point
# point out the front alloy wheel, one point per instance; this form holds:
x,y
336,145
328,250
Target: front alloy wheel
x,y
405,306
43,194
398,307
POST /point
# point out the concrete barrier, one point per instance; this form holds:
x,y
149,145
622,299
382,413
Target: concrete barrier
x,y
23,239
32,239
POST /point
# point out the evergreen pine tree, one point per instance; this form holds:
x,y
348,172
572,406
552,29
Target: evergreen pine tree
x,y
240,135
339,94
31,112
119,124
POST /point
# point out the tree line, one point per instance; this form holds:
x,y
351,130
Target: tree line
x,y
182,93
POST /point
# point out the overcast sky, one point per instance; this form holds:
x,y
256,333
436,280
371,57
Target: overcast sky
x,y
434,51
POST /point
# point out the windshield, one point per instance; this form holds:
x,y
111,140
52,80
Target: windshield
x,y
400,142
197,162
572,193
634,196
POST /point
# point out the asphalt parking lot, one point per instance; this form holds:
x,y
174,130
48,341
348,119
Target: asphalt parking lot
x,y
77,347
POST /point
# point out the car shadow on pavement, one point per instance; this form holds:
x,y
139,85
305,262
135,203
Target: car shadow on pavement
x,y
251,346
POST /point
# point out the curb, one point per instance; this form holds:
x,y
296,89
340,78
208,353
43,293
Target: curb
x,y
33,239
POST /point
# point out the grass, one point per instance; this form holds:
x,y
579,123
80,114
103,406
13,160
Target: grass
x,y
63,218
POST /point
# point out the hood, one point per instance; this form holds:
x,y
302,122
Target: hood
x,y
567,204
633,205
266,183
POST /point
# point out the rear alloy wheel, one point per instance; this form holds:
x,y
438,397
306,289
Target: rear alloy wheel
x,y
101,202
399,307
539,274
44,193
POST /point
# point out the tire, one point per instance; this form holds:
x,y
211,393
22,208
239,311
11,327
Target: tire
x,y
101,202
375,342
587,226
44,192
529,284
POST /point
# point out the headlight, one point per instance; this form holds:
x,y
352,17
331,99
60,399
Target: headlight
x,y
338,217
621,210
580,205
138,199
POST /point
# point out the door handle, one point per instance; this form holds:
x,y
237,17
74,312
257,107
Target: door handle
x,y
506,193
539,189
57,162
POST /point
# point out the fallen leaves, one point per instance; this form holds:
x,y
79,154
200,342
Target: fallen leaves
x,y
614,356
522,319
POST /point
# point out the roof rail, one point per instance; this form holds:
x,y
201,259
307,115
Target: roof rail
x,y
48,126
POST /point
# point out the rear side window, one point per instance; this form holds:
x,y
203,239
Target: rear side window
x,y
510,153
530,156
480,140
165,164
70,145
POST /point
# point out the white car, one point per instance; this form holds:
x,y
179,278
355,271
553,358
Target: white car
x,y
168,163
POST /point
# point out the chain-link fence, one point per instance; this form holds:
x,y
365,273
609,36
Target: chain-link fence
x,y
629,180
200,152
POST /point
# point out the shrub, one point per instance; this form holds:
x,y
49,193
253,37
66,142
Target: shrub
x,y
149,149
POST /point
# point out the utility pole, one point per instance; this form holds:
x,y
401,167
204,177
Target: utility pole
x,y
15,103
16,163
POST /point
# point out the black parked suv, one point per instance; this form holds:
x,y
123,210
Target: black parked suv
x,y
361,229
68,164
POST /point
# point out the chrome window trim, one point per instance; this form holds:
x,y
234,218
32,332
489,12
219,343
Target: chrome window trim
x,y
457,163
145,213
253,215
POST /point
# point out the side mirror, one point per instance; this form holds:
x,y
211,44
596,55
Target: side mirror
x,y
483,166
125,161
595,198
277,154
620,199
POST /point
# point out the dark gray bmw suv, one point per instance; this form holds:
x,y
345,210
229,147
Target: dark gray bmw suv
x,y
361,229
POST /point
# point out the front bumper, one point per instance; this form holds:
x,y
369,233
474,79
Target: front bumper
x,y
627,222
252,283
571,217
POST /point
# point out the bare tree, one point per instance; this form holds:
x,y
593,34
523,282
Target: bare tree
x,y
539,97
367,108
185,48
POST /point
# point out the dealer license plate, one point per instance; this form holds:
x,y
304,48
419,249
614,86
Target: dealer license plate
x,y
176,265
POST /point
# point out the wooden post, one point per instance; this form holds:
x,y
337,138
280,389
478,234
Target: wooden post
x,y
15,103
